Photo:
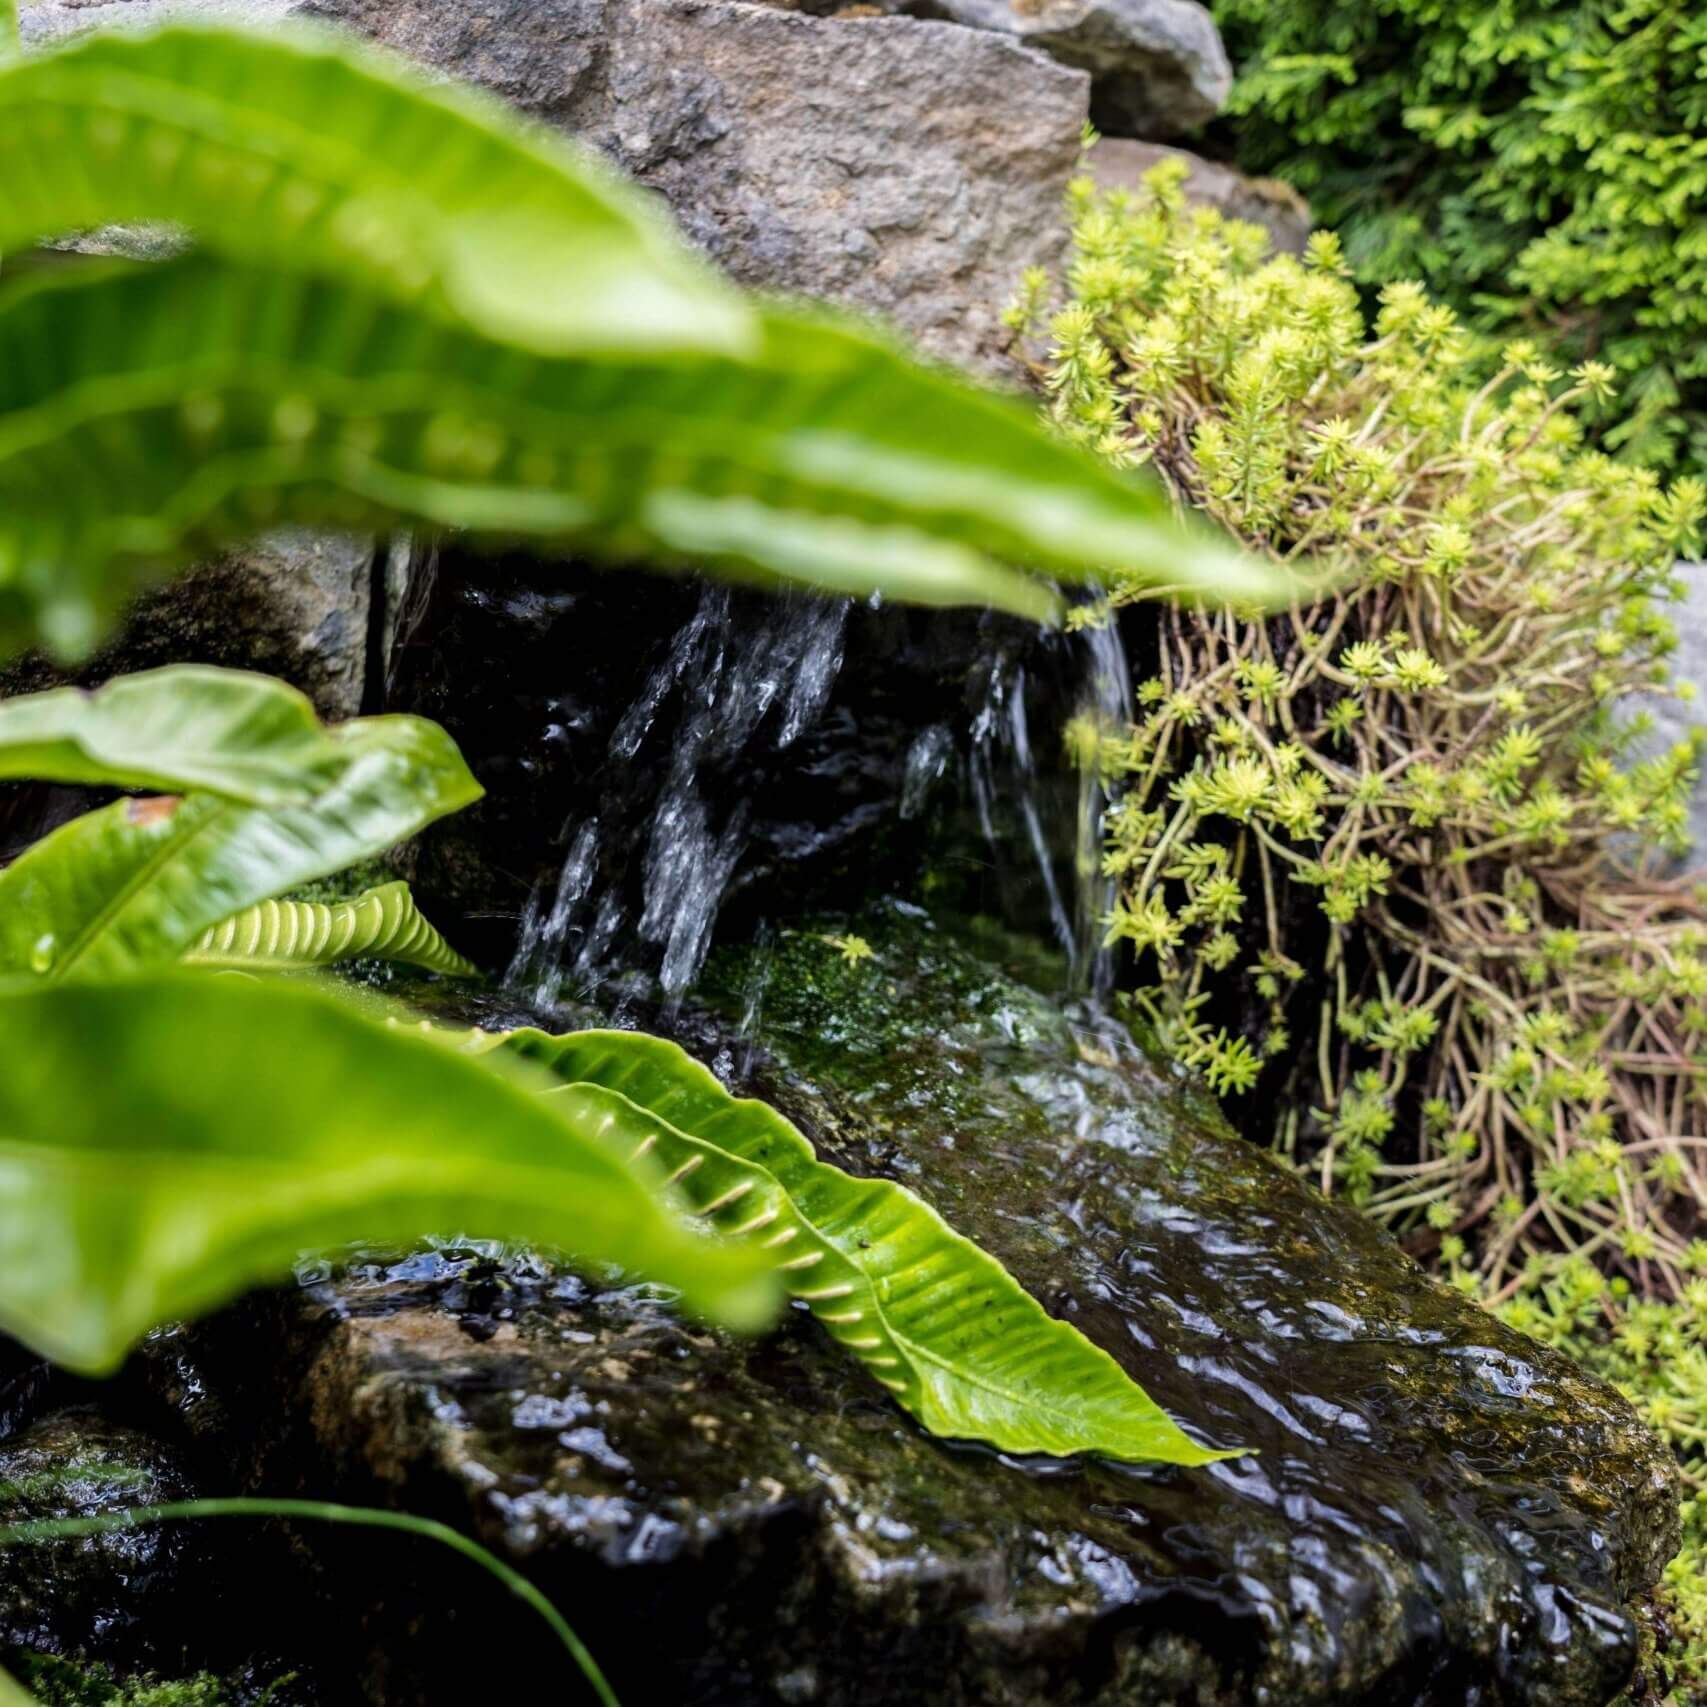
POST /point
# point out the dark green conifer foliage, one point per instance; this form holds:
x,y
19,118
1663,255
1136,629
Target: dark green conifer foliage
x,y
1540,164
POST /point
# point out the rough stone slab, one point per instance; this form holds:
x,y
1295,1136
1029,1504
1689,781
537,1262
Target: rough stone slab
x,y
1117,163
1437,1509
910,169
1158,67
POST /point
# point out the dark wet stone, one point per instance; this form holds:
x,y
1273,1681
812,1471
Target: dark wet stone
x,y
157,1615
78,1463
1437,1509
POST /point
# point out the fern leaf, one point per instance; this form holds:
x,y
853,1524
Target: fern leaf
x,y
135,885
187,726
306,150
939,1323
383,923
148,413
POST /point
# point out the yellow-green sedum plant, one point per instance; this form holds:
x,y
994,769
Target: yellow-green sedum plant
x,y
1487,1024
1396,849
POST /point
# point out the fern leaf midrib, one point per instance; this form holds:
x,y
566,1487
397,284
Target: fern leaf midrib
x,y
89,404
142,878
736,1159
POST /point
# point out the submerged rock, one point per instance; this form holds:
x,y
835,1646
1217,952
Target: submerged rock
x,y
1435,1509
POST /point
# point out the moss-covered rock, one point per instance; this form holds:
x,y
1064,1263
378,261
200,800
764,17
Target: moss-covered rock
x,y
77,1462
159,1615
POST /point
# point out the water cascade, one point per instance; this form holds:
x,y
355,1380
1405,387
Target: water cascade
x,y
724,692
729,698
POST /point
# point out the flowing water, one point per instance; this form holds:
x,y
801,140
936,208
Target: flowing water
x,y
721,692
1010,793
730,692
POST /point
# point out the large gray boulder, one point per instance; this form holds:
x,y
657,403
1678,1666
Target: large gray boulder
x,y
866,161
1158,67
908,169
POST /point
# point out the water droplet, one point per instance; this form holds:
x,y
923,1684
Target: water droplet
x,y
41,953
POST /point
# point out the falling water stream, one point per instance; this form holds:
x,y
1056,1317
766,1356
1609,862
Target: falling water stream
x,y
732,692
1004,778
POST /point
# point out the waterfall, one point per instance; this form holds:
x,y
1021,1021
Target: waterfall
x,y
724,692
1106,699
737,684
1013,810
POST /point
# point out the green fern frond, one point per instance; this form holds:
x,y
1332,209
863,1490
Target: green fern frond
x,y
148,413
382,923
937,1322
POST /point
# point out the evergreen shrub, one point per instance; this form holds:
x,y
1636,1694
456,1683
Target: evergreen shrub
x,y
1541,166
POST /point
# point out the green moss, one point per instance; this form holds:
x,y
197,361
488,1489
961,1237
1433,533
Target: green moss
x,y
839,1010
59,1682
344,885
51,1486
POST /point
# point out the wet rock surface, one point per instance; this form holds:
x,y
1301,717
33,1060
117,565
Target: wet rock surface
x,y
101,1618
1436,1509
75,1462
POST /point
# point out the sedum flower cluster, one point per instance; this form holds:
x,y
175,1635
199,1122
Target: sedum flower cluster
x,y
1396,852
